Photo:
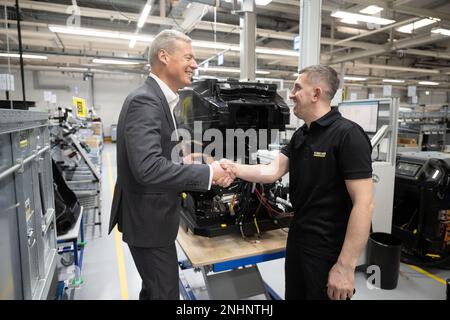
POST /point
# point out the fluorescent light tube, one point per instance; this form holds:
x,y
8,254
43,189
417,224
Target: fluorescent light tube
x,y
355,78
144,15
228,70
429,83
99,33
84,32
445,32
25,56
371,10
280,52
114,61
361,17
262,2
393,80
409,28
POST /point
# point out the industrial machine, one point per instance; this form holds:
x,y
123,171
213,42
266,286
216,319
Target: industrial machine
x,y
421,217
223,110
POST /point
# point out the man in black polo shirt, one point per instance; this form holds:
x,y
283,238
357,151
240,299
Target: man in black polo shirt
x,y
330,174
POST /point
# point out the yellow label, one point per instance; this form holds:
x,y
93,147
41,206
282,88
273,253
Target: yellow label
x,y
223,225
80,106
23,143
320,154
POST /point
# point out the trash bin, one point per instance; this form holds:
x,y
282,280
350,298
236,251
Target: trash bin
x,y
384,251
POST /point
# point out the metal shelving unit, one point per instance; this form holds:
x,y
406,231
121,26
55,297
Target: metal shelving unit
x,y
430,129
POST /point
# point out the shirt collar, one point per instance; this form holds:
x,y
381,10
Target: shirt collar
x,y
329,117
168,93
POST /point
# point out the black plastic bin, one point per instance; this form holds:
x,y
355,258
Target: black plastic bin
x,y
384,250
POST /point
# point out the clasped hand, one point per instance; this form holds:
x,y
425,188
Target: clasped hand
x,y
223,173
223,170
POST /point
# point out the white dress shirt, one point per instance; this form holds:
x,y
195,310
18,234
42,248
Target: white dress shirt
x,y
172,100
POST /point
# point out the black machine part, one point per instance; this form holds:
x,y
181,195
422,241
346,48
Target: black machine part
x,y
421,216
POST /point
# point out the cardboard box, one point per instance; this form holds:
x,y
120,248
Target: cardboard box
x,y
97,128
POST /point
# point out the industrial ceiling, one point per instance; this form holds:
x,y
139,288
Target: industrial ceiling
x,y
365,50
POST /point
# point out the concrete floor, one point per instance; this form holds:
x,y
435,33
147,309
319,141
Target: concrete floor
x,y
109,272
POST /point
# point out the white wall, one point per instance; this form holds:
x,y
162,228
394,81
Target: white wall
x,y
110,91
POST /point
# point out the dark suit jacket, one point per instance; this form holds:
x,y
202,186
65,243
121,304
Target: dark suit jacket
x,y
146,200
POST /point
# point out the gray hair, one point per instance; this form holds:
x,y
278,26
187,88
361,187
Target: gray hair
x,y
325,74
165,40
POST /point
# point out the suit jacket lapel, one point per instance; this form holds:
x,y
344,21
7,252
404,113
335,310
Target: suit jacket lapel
x,y
154,85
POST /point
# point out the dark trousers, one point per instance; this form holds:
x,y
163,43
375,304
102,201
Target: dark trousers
x,y
306,274
158,268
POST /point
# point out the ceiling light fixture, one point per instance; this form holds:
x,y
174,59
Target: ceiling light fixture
x,y
262,2
409,28
445,32
132,43
429,83
114,61
24,56
99,33
360,17
393,80
355,78
144,14
371,9
229,70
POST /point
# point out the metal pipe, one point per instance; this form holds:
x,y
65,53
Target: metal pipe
x,y
16,167
381,133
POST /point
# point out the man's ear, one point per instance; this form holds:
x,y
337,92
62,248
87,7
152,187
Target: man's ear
x,y
317,93
163,57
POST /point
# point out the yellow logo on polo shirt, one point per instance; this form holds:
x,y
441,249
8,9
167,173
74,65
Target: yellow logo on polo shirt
x,y
319,154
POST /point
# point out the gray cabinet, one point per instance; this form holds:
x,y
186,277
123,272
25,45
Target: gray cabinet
x,y
27,215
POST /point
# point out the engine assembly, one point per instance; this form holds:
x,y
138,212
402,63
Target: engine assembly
x,y
224,107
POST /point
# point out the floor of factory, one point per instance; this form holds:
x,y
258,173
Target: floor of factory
x,y
109,273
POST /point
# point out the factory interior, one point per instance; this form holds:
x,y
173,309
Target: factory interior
x,y
69,69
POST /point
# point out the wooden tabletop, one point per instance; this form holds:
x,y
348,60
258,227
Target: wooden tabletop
x,y
203,251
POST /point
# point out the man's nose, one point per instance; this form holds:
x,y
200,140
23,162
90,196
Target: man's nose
x,y
194,64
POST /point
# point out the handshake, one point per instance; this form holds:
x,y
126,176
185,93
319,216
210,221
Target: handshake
x,y
224,172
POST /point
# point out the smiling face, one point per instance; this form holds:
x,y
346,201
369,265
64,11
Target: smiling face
x,y
302,95
180,64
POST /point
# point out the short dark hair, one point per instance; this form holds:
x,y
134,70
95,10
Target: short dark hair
x,y
325,74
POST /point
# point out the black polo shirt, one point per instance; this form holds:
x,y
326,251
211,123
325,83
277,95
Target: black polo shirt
x,y
333,149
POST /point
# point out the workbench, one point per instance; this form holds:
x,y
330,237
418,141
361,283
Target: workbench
x,y
235,255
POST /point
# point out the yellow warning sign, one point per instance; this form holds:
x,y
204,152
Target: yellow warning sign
x,y
80,107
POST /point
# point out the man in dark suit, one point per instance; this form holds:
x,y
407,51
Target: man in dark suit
x,y
147,194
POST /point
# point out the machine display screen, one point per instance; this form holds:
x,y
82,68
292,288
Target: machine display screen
x,y
364,113
408,169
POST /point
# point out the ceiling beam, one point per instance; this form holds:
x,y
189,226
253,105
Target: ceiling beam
x,y
419,12
387,48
